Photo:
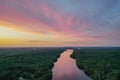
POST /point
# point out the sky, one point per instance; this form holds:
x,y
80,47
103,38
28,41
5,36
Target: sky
x,y
34,23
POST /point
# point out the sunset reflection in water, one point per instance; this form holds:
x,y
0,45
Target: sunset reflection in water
x,y
65,68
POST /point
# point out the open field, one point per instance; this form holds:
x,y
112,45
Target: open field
x,y
99,63
29,63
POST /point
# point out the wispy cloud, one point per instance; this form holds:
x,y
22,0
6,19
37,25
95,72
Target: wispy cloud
x,y
82,21
36,41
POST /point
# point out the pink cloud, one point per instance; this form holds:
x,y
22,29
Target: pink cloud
x,y
43,19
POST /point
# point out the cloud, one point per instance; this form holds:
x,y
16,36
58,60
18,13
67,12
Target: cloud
x,y
36,41
83,20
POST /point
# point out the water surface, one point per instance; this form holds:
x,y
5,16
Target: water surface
x,y
65,68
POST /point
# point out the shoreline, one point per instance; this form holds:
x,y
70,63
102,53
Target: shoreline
x,y
104,67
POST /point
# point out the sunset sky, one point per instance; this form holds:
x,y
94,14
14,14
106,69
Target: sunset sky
x,y
29,23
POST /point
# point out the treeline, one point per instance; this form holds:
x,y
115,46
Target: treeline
x,y
99,63
28,63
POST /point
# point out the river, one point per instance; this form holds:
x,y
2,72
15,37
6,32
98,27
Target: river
x,y
66,69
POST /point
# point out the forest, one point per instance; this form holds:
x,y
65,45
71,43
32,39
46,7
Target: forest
x,y
28,63
99,63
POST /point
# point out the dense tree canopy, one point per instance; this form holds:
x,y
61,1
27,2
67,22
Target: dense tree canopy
x,y
99,63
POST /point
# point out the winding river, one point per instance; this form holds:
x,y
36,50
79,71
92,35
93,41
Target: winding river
x,y
66,69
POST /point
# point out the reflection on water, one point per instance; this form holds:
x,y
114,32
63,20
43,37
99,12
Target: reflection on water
x,y
65,68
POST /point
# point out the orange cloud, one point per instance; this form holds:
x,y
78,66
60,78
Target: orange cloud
x,y
41,24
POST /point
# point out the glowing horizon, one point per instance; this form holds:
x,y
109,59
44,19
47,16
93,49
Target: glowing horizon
x,y
59,23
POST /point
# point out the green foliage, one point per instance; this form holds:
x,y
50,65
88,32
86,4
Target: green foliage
x,y
31,64
99,63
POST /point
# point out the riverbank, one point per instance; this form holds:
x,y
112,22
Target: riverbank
x,y
99,63
28,63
